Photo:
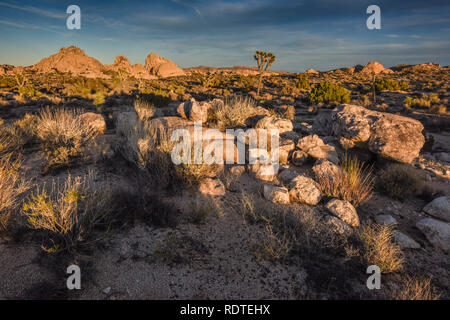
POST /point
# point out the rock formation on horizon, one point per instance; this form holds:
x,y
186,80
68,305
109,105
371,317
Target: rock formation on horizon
x,y
162,67
136,70
70,59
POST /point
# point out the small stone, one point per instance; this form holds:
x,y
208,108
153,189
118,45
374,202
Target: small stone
x,y
237,170
437,232
439,208
385,219
107,290
344,211
286,176
298,158
305,190
212,187
404,241
276,194
338,226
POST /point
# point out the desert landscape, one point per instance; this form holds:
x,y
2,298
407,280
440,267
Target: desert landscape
x,y
86,178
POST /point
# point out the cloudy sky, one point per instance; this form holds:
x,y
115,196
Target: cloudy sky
x,y
321,34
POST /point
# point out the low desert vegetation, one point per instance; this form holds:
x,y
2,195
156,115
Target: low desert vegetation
x,y
328,92
233,113
303,82
426,101
400,181
63,136
144,109
264,60
354,183
379,248
69,212
416,288
390,85
12,187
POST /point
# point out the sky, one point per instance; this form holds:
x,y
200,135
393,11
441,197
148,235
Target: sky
x,y
321,34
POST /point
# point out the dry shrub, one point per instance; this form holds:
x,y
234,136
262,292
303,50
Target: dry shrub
x,y
354,183
142,144
415,288
144,109
287,228
379,249
63,136
400,181
68,211
15,136
12,187
233,113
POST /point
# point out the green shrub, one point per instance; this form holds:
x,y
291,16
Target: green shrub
x,y
303,82
7,82
424,102
28,91
157,97
400,181
99,99
391,85
327,92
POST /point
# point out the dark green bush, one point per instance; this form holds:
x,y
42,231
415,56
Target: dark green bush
x,y
303,82
327,91
390,85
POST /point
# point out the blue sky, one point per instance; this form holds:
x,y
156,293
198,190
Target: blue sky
x,y
322,34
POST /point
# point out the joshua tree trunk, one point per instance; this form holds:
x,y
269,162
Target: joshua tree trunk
x,y
373,86
259,83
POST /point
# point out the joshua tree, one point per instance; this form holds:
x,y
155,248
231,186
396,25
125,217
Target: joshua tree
x,y
264,60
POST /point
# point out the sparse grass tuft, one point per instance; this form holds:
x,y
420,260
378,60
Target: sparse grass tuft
x,y
354,183
379,249
144,109
415,288
233,113
12,187
63,136
400,181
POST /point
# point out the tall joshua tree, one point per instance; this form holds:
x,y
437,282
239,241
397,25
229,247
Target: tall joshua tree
x,y
264,60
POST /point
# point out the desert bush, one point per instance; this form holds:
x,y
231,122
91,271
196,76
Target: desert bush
x,y
83,87
287,228
193,174
354,183
400,181
7,82
99,98
249,82
391,85
233,113
14,136
439,109
303,82
379,249
63,136
69,211
12,187
415,288
144,109
142,144
28,92
425,102
157,97
326,92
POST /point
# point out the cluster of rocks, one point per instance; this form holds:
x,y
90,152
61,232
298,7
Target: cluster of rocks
x,y
75,61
